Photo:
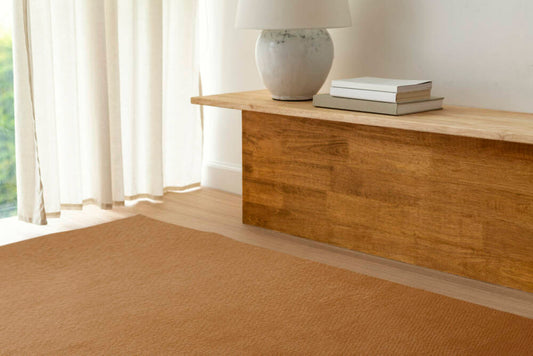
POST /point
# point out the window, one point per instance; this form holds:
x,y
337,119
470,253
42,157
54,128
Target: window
x,y
8,190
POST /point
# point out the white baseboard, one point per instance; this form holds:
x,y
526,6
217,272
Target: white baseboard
x,y
223,176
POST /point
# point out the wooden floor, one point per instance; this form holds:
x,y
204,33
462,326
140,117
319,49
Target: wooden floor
x,y
216,211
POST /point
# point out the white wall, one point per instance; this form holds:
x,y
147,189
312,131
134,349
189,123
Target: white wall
x,y
478,53
228,65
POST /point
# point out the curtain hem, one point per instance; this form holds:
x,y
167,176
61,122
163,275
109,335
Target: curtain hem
x,y
118,203
31,220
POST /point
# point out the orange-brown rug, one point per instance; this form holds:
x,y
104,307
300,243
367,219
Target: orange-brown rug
x,y
140,286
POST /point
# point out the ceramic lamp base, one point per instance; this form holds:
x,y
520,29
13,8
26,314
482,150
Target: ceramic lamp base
x,y
294,63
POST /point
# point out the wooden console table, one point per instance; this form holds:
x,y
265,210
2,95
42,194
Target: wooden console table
x,y
450,190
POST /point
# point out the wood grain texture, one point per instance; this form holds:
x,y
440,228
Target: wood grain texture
x,y
455,204
452,120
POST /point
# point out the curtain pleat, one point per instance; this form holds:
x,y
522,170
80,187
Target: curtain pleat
x,y
30,198
113,87
110,82
66,104
180,51
142,44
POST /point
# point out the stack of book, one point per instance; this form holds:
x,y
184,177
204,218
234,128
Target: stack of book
x,y
380,95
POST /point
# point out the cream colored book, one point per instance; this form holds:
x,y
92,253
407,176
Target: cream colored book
x,y
377,107
375,95
383,84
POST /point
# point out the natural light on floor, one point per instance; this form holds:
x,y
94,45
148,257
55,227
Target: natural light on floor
x,y
8,191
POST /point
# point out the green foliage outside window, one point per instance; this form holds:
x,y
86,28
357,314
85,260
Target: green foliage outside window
x,y
8,188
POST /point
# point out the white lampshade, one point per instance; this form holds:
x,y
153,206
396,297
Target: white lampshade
x,y
292,14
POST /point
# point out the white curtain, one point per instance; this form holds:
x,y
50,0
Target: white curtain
x,y
102,111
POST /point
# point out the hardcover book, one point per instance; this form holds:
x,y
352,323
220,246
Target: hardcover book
x,y
375,95
377,107
383,84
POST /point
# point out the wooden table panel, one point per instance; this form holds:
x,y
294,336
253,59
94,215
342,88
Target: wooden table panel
x,y
458,204
452,120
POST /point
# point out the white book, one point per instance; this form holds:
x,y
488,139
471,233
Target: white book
x,y
378,107
375,95
383,84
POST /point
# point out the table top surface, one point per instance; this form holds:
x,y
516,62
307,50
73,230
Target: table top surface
x,y
451,120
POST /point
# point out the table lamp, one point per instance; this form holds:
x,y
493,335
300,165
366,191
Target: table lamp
x,y
294,51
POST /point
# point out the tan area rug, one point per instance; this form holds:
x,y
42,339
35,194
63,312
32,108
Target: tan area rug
x,y
140,286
